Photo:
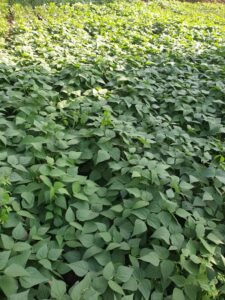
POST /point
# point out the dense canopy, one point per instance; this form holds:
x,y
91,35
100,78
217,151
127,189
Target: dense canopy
x,y
112,168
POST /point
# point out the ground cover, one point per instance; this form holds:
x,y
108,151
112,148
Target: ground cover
x,y
112,150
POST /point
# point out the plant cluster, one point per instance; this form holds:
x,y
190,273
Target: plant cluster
x,y
112,152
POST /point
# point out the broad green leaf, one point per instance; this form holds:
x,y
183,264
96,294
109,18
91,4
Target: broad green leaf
x,y
54,254
207,246
214,238
58,289
46,181
20,259
115,287
178,294
20,296
156,296
7,241
145,288
200,230
33,278
123,273
4,256
70,217
128,297
74,155
42,252
108,271
182,213
19,233
79,288
162,233
139,227
102,156
15,270
29,198
21,246
167,267
80,267
179,280
106,236
8,285
45,263
152,258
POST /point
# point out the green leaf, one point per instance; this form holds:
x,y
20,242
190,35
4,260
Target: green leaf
x,y
102,156
128,297
20,296
7,241
85,215
70,217
12,160
200,230
207,246
162,233
145,288
115,287
15,270
123,273
182,213
58,289
28,197
139,227
19,233
4,256
179,280
214,238
20,259
156,296
74,155
26,214
106,236
92,251
8,285
42,252
34,278
76,187
108,271
221,179
79,288
21,246
54,254
80,267
178,294
152,258
46,180
46,264
167,267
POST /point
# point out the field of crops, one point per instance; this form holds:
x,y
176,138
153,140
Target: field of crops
x,y
112,150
